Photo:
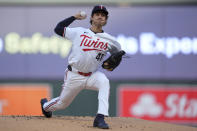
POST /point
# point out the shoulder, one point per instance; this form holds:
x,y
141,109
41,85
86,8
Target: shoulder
x,y
78,28
109,36
114,42
75,29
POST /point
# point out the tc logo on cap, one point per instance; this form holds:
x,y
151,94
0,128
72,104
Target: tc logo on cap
x,y
99,8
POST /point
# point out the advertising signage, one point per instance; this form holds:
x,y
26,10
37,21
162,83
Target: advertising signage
x,y
158,102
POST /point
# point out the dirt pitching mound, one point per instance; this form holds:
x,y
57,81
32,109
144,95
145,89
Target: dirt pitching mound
x,y
68,123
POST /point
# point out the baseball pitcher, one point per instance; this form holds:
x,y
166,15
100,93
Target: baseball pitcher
x,y
89,47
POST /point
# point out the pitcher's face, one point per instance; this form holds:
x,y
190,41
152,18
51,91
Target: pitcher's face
x,y
99,19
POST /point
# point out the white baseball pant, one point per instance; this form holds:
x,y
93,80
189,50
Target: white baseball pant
x,y
74,83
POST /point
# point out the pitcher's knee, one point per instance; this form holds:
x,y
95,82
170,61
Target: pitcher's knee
x,y
103,82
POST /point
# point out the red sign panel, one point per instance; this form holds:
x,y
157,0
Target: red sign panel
x,y
160,103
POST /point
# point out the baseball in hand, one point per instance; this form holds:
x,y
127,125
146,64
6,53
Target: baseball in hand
x,y
83,13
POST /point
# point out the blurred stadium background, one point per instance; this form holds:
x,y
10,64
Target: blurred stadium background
x,y
158,82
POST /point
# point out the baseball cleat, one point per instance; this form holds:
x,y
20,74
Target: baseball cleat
x,y
100,122
46,114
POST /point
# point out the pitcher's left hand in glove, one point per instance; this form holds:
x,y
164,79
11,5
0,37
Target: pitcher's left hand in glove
x,y
113,61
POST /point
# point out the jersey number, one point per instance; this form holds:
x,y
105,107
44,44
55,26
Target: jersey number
x,y
99,57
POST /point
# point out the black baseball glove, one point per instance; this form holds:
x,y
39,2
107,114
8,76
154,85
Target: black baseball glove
x,y
113,61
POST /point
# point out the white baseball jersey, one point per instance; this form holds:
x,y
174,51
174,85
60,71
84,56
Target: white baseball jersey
x,y
88,48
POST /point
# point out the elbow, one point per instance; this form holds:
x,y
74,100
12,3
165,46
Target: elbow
x,y
56,30
59,31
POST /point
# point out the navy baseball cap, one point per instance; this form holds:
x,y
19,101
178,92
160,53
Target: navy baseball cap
x,y
99,8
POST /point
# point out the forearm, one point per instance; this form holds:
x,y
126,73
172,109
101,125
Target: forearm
x,y
59,29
